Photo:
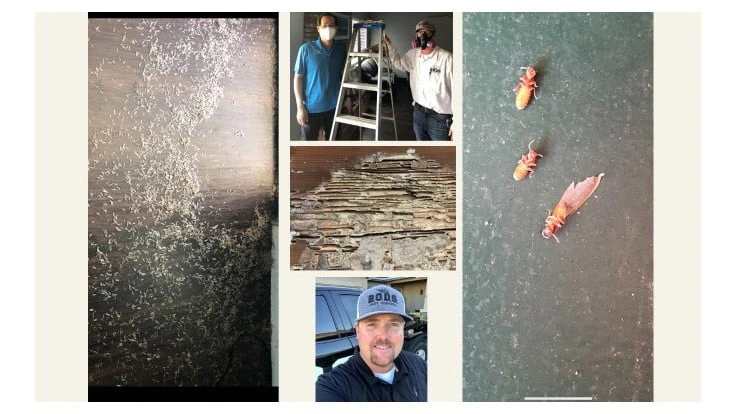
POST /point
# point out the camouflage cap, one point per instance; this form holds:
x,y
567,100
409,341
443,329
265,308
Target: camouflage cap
x,y
424,25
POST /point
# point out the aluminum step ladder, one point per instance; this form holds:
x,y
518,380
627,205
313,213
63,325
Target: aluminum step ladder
x,y
365,119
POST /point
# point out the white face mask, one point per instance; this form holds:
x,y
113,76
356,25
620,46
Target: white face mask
x,y
327,33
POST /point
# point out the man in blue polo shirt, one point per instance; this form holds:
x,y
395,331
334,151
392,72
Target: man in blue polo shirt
x,y
318,73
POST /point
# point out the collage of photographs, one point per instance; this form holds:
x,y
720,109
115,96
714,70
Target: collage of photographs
x,y
514,205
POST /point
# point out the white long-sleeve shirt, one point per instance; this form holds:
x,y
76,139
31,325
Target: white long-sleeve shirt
x,y
430,76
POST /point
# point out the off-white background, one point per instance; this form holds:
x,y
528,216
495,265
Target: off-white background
x,y
57,346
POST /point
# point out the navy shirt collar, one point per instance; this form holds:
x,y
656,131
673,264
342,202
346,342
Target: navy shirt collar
x,y
368,375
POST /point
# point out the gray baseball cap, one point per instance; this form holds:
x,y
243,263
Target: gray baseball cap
x,y
381,299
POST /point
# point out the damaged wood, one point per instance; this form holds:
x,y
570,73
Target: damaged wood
x,y
390,211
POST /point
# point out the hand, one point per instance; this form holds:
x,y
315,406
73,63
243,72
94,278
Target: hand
x,y
388,39
301,116
450,134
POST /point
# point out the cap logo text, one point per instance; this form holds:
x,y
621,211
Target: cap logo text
x,y
382,297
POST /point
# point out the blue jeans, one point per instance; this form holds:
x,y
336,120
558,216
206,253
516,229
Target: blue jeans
x,y
431,125
316,121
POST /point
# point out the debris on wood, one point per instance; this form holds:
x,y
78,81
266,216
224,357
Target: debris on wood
x,y
390,212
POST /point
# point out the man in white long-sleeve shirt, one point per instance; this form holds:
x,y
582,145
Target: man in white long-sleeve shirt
x,y
430,80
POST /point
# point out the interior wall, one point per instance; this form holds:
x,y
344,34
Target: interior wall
x,y
400,29
180,192
296,39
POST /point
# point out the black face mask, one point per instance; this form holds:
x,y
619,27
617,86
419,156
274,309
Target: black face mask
x,y
424,41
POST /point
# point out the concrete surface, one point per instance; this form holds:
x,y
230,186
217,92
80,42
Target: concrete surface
x,y
574,318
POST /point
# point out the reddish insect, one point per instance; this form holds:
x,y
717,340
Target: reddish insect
x,y
526,163
526,88
572,199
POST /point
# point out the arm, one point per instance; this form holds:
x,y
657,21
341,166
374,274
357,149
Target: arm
x,y
326,393
397,60
301,110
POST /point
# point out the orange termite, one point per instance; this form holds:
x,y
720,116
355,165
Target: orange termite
x,y
571,200
526,87
526,163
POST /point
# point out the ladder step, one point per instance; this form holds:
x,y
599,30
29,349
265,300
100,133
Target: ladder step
x,y
381,57
364,54
361,86
357,121
373,116
366,24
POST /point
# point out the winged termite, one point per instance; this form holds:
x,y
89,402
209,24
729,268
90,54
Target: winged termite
x,y
571,200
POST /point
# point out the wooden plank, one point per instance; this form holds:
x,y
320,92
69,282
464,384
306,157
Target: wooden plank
x,y
386,210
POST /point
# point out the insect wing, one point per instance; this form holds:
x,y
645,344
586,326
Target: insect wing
x,y
576,195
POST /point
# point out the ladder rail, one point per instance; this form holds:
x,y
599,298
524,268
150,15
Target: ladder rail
x,y
390,81
372,121
341,95
379,84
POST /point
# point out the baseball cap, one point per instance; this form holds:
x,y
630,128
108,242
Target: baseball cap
x,y
381,299
425,25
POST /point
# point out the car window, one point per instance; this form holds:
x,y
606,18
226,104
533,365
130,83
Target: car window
x,y
350,304
325,323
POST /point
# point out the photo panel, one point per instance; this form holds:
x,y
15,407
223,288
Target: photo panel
x,y
357,338
338,77
558,207
545,287
181,180
360,206
371,208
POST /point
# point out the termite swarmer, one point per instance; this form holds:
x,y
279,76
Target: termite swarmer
x,y
526,163
571,200
526,87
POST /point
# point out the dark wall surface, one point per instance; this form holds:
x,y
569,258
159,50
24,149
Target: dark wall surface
x,y
181,188
574,318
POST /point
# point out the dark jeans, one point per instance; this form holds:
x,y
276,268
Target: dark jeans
x,y
315,122
431,125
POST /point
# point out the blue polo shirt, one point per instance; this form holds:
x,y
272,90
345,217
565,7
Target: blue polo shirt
x,y
322,70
